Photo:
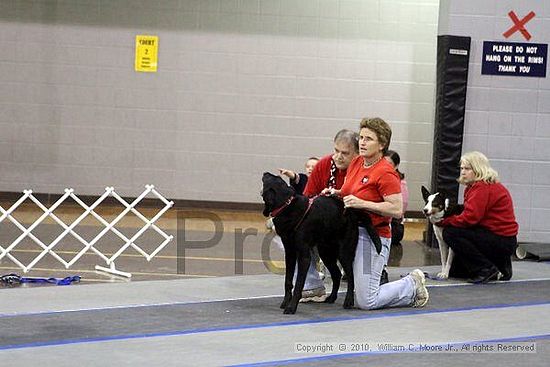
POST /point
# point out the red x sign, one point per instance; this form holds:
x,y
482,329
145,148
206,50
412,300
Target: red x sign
x,y
519,25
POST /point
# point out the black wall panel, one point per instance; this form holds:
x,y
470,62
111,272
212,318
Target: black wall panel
x,y
453,55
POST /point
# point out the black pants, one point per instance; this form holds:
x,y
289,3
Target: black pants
x,y
397,231
477,248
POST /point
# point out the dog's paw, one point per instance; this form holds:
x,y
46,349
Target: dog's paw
x,y
348,303
331,299
442,275
289,310
286,300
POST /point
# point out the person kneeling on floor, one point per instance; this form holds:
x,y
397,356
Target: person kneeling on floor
x,y
373,185
484,235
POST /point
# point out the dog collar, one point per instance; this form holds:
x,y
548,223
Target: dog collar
x,y
275,212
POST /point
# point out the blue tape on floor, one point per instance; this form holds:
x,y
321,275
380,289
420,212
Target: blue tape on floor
x,y
261,326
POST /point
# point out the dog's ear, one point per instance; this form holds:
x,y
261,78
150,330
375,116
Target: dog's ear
x,y
268,176
453,200
425,193
446,194
268,196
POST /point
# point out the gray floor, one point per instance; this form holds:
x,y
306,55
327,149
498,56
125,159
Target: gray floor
x,y
236,321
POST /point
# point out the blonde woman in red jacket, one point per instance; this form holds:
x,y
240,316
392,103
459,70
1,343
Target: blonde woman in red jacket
x,y
483,236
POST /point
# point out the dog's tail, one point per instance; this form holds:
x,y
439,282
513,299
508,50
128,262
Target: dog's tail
x,y
364,220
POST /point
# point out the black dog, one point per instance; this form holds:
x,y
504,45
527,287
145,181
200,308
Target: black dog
x,y
303,223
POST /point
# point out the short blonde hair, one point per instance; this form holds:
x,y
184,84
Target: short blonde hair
x,y
381,128
480,166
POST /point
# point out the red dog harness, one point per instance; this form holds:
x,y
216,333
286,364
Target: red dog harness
x,y
310,201
276,212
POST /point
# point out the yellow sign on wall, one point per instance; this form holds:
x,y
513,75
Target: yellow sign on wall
x,y
146,53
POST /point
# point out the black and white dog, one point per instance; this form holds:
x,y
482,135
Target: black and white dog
x,y
439,206
303,223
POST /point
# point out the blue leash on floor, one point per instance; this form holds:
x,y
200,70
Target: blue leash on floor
x,y
13,279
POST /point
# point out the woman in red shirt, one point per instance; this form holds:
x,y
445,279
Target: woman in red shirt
x,y
484,235
372,184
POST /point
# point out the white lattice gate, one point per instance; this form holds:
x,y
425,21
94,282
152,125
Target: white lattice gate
x,y
6,250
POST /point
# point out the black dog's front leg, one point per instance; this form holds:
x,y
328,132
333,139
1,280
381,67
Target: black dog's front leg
x,y
304,259
290,264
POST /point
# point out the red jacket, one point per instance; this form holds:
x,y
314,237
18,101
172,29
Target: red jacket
x,y
489,206
318,180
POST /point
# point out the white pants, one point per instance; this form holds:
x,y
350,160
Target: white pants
x,y
313,280
367,268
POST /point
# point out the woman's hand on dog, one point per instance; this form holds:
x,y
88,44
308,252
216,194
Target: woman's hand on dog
x,y
392,206
351,201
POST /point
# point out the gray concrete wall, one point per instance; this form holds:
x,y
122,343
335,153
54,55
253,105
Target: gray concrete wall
x,y
243,86
508,117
